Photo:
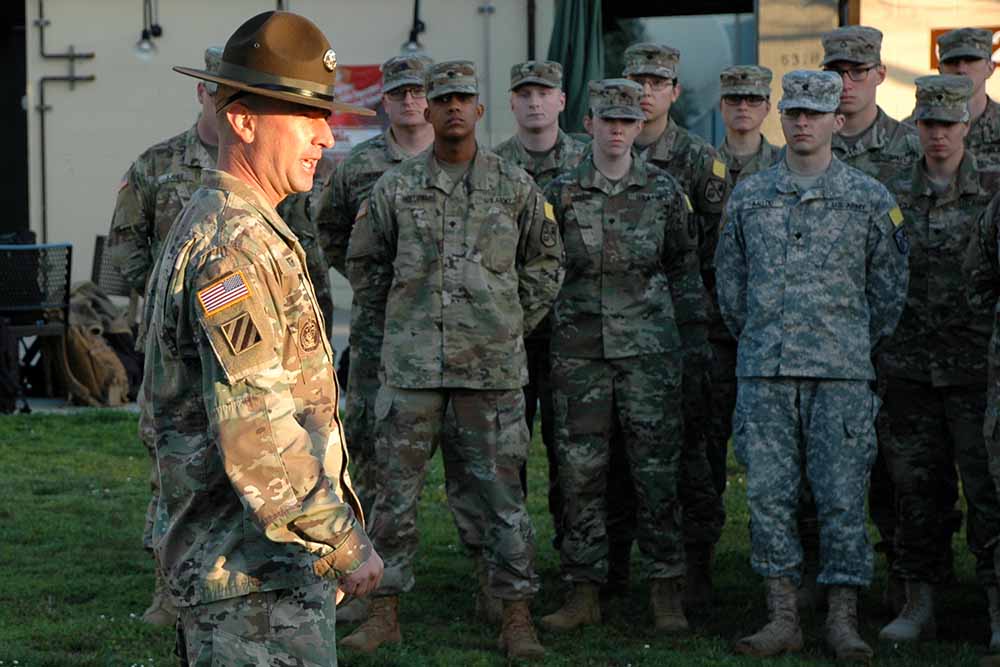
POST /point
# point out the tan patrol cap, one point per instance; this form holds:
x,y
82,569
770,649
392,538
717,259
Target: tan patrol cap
x,y
616,98
811,89
853,44
546,73
746,80
943,97
402,71
648,58
965,42
452,76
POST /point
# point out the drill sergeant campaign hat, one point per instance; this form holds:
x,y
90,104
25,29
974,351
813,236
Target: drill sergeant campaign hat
x,y
648,58
546,73
283,56
453,76
746,80
943,97
402,71
965,43
616,98
811,89
854,44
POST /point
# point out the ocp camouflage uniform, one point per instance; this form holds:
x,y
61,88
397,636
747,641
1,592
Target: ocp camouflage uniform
x,y
983,138
457,272
809,283
742,166
632,293
934,368
256,503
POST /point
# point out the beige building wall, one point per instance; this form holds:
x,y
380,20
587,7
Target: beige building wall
x,y
96,130
906,47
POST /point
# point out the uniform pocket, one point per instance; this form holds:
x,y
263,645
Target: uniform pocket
x,y
229,650
498,243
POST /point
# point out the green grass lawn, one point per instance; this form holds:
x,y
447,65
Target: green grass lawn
x,y
74,578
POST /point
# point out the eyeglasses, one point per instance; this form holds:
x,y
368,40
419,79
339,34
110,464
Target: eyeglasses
x,y
793,114
654,82
853,73
399,94
752,101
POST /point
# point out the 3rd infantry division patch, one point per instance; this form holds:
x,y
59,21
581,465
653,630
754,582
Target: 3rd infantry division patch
x,y
240,333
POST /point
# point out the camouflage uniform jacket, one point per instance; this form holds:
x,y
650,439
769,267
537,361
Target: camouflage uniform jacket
x,y
153,191
351,183
882,150
981,270
812,281
565,155
255,493
633,284
939,340
458,273
742,166
984,136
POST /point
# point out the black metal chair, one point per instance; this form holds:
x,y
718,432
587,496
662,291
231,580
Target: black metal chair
x,y
105,275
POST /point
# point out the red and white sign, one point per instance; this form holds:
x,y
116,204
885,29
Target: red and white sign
x,y
360,85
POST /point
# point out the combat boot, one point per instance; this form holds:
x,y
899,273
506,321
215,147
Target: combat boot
x,y
782,633
666,597
161,611
842,626
993,597
916,621
582,607
698,587
517,639
382,626
489,608
354,611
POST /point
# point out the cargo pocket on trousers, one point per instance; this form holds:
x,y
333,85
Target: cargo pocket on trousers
x,y
512,429
859,426
229,650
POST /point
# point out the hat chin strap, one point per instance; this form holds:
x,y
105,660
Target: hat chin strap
x,y
219,106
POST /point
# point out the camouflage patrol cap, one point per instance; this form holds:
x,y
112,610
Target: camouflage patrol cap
x,y
402,71
213,59
616,98
746,80
943,97
965,43
540,72
811,89
853,44
453,76
656,59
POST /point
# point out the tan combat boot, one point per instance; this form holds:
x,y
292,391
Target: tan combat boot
x,y
698,589
517,639
916,621
382,626
666,597
582,607
782,633
842,626
993,597
353,612
161,611
489,608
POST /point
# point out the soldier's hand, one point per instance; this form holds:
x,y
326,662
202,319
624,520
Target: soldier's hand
x,y
365,579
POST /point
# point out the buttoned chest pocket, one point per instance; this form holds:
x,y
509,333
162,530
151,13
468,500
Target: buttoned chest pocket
x,y
641,235
584,231
303,325
497,241
417,245
173,193
839,240
764,235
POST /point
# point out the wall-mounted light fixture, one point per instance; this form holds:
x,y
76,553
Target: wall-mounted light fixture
x,y
145,47
413,46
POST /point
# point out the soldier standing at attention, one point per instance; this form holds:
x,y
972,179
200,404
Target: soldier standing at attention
x,y
812,275
969,52
152,193
699,169
454,252
258,522
544,151
631,302
934,366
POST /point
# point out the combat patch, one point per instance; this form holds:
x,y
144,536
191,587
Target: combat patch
x,y
241,333
308,333
715,190
225,293
902,240
549,234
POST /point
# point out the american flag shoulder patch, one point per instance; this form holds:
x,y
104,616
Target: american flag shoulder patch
x,y
222,294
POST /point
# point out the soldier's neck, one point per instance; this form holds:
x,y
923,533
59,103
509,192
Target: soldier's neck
x,y
743,143
613,168
652,130
455,152
539,140
207,131
944,171
856,123
809,164
414,139
977,105
235,163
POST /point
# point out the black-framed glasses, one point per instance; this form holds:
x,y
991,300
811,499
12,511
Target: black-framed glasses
x,y
654,82
793,114
399,94
753,101
852,73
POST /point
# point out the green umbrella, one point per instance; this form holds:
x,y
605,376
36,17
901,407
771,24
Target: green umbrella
x,y
578,43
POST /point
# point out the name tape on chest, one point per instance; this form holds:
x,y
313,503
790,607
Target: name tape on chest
x,y
223,294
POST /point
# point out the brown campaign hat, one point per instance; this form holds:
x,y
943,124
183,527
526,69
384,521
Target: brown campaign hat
x,y
280,55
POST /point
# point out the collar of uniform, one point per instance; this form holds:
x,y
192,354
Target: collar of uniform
x,y
663,147
829,185
967,179
592,179
396,153
195,154
874,137
765,150
435,177
221,180
552,159
987,121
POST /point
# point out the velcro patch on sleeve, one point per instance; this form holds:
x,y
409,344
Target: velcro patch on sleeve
x,y
241,333
719,169
550,212
224,293
896,216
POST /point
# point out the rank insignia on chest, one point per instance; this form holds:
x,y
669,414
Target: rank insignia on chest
x,y
241,333
221,295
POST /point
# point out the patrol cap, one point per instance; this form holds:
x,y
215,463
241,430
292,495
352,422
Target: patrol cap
x,y
213,59
283,56
648,58
943,97
452,76
965,43
853,44
616,98
746,80
402,71
811,89
546,73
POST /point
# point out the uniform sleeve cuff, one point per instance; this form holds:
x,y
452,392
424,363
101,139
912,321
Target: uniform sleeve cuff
x,y
346,557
